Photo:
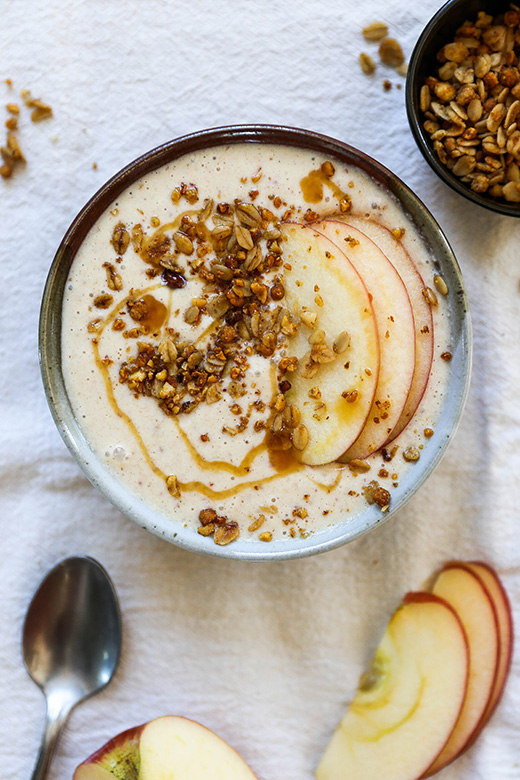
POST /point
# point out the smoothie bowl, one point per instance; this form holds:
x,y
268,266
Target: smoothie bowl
x,y
255,341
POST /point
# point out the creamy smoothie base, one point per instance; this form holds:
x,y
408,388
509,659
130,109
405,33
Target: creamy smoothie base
x,y
181,402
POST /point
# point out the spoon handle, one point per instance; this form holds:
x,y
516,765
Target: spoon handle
x,y
57,714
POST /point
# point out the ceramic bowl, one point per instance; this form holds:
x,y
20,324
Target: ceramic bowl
x,y
423,62
173,529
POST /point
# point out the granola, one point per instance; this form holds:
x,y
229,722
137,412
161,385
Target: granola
x,y
471,106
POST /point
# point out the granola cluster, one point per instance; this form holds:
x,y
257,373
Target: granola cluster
x,y
239,261
11,152
472,105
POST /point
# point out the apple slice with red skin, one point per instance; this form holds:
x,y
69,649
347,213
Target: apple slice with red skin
x,y
423,320
406,707
395,324
465,592
498,595
167,747
319,280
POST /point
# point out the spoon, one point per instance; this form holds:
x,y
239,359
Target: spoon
x,y
71,642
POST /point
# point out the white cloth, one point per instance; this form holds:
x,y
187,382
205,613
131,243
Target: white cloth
x,y
267,655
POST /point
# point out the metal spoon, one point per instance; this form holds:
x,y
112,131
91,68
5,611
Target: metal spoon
x,y
71,642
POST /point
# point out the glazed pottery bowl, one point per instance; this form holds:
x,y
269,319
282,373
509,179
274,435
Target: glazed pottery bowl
x,y
175,528
439,31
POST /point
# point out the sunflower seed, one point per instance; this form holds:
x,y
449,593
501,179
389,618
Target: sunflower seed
x,y
300,437
243,237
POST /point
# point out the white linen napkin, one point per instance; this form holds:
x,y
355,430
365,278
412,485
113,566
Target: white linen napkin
x,y
267,655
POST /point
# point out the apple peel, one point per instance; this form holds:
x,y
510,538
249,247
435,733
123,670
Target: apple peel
x,y
464,591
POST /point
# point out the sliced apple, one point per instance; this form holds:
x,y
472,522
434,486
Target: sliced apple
x,y
464,591
396,329
406,707
169,748
319,280
423,320
498,595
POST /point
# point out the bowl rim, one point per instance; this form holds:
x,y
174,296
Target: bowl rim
x,y
412,89
49,343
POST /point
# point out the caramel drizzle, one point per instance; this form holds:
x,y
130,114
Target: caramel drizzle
x,y
221,465
312,187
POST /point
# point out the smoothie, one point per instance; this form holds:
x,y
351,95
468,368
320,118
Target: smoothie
x,y
256,342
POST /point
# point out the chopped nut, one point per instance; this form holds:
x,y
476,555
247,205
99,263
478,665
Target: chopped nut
x,y
309,318
321,353
207,516
411,454
172,484
206,530
103,301
381,497
309,368
224,534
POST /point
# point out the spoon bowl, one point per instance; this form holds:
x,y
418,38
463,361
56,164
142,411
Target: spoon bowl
x,y
71,642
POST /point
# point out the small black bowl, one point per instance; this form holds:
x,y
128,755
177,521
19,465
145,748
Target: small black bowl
x,y
423,62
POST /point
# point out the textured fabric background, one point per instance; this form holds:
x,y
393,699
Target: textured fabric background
x,y
266,655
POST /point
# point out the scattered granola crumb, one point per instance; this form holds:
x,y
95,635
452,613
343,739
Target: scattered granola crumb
x,y
375,31
391,53
367,63
172,484
11,153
